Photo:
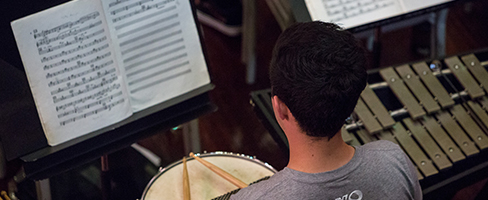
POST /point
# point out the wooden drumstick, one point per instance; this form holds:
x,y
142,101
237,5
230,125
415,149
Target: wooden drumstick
x,y
220,172
186,182
4,195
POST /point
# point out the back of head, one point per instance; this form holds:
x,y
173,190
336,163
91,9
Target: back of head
x,y
318,70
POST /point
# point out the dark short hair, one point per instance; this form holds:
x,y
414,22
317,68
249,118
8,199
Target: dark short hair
x,y
318,70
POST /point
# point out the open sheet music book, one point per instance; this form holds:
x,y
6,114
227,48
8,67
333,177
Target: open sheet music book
x,y
352,13
93,63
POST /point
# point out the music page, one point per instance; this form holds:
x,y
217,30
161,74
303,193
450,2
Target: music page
x,y
352,13
159,48
71,68
412,5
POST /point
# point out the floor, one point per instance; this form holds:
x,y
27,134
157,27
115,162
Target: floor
x,y
235,128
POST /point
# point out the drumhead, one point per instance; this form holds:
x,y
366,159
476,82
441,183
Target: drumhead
x,y
205,184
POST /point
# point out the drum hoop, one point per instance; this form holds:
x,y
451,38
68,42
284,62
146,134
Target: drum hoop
x,y
211,154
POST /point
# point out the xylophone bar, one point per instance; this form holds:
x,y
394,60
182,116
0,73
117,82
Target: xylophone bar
x,y
413,82
464,77
433,84
441,137
377,107
435,111
401,91
370,122
420,159
428,144
444,115
420,96
453,129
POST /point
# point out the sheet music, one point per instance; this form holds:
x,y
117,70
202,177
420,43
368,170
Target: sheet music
x,y
412,5
159,47
352,13
71,69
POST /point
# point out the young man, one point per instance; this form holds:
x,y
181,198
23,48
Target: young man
x,y
317,74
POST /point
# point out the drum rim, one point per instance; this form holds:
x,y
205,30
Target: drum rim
x,y
202,155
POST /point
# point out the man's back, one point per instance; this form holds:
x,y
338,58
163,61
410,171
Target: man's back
x,y
378,170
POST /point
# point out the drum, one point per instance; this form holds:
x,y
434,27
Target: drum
x,y
205,184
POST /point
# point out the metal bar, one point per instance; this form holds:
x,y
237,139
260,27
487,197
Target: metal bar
x,y
464,77
369,121
378,109
417,88
402,93
43,189
433,84
403,111
413,150
469,125
484,63
457,134
428,144
479,72
441,137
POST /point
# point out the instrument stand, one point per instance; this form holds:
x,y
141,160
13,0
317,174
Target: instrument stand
x,y
105,178
249,39
437,21
43,189
191,137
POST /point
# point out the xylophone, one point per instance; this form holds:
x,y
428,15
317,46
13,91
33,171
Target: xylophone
x,y
437,111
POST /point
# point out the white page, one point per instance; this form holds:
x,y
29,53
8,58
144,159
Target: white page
x,y
159,47
70,65
412,5
352,13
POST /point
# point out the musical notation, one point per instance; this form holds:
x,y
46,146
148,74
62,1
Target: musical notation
x,y
125,8
339,10
48,49
66,25
80,47
46,41
88,88
80,109
143,10
82,116
155,14
71,55
93,68
144,49
84,99
116,3
83,81
78,65
74,58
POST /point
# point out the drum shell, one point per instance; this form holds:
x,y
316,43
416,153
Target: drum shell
x,y
205,184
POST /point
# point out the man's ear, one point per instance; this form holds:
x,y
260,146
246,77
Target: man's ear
x,y
280,109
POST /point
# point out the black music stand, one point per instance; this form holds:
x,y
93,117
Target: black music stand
x,y
436,15
22,135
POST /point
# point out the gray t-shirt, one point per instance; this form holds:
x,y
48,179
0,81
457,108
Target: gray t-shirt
x,y
378,170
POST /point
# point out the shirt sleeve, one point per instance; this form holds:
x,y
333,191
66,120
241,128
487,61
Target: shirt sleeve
x,y
416,190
